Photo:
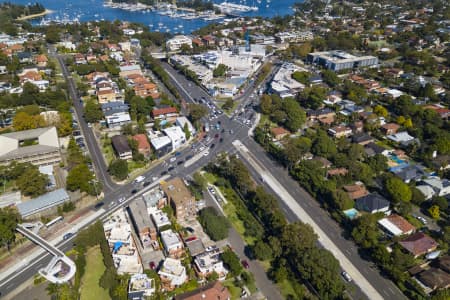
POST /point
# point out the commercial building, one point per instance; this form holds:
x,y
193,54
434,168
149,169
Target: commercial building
x,y
173,246
293,36
182,122
176,136
180,198
142,223
177,41
283,84
120,145
337,60
47,201
44,149
162,145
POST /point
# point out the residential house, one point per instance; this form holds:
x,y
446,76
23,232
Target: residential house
x,y
323,115
180,198
142,144
140,287
80,59
356,190
211,291
409,172
41,61
208,262
115,119
396,225
173,246
175,43
279,133
418,244
426,190
340,131
172,274
25,57
161,145
372,203
106,95
390,128
143,225
165,113
121,147
337,172
402,138
435,279
362,138
441,187
372,149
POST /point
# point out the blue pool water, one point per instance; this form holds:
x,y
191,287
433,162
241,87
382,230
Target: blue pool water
x,y
351,213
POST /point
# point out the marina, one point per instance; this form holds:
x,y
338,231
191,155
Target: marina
x,y
162,17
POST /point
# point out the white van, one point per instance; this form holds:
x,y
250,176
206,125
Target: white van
x,y
139,179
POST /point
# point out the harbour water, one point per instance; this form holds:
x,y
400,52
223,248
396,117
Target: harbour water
x,y
90,10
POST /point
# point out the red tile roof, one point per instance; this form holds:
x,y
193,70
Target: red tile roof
x,y
418,244
142,140
163,111
401,223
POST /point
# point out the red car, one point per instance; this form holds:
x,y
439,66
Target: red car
x,y
152,265
245,264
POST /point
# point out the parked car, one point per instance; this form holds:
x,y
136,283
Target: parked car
x,y
122,199
134,191
147,183
98,205
346,276
152,265
67,236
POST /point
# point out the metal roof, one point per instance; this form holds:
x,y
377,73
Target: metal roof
x,y
43,202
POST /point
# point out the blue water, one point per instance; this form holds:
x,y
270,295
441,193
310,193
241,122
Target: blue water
x,y
351,213
89,10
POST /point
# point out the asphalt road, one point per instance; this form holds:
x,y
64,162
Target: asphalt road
x,y
191,92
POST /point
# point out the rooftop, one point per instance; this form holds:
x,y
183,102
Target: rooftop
x,y
43,202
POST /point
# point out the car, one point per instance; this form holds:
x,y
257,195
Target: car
x,y
216,136
223,130
139,179
163,173
212,146
190,239
170,168
180,162
190,229
206,153
172,159
152,265
205,136
147,183
188,157
245,264
134,191
98,205
67,236
231,131
177,153
346,276
220,140
122,199
211,189
201,148
76,133
422,219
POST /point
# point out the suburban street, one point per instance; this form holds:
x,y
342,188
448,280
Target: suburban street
x,y
231,130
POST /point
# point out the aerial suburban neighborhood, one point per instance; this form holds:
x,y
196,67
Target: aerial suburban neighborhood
x,y
296,150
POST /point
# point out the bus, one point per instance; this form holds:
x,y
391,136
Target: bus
x,y
54,221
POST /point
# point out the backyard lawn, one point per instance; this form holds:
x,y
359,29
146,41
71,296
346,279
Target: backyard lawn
x,y
90,288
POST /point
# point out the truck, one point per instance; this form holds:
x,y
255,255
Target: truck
x,y
139,179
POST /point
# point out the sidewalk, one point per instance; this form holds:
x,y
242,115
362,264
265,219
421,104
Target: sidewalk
x,y
276,186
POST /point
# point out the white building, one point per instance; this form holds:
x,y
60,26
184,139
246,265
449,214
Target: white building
x,y
140,286
182,121
172,243
283,84
176,135
294,36
160,218
172,273
209,262
118,119
175,43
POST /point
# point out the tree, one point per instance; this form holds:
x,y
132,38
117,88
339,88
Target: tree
x,y
187,132
216,226
9,218
441,202
330,78
296,237
398,190
197,111
119,169
32,182
341,200
301,76
295,148
220,70
80,178
434,212
24,121
323,145
266,104
381,111
231,260
295,115
262,250
92,112
365,232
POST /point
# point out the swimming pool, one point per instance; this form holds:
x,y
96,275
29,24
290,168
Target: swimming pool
x,y
351,213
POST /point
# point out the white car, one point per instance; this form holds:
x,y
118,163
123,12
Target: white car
x,y
206,153
172,159
346,276
122,199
